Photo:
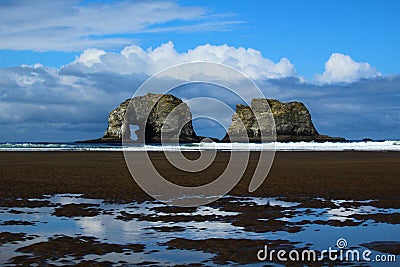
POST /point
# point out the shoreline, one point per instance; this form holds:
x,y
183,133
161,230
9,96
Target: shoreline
x,y
386,145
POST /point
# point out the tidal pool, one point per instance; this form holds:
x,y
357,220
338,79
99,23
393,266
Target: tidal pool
x,y
229,231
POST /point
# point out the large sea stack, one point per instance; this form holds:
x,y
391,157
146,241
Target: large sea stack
x,y
292,121
149,113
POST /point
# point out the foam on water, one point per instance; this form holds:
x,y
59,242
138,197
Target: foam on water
x,y
290,146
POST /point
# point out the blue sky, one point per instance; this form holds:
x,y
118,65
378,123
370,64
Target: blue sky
x,y
306,32
65,64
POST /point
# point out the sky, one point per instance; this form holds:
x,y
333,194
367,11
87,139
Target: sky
x,y
64,65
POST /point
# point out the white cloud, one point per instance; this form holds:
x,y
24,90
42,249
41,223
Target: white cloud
x,y
71,103
39,93
90,56
133,59
342,68
73,25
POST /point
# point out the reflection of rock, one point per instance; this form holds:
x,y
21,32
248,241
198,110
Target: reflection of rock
x,y
292,121
151,112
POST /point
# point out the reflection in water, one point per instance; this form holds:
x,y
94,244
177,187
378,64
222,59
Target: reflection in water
x,y
92,226
153,224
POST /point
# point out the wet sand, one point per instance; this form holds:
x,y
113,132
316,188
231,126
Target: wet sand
x,y
329,175
313,180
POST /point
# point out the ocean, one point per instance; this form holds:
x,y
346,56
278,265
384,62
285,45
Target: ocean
x,y
387,145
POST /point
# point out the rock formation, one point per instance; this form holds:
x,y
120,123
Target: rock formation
x,y
152,112
292,122
115,121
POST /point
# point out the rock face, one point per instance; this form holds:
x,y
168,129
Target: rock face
x,y
292,121
155,115
115,121
150,113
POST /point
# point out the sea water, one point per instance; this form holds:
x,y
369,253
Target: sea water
x,y
387,145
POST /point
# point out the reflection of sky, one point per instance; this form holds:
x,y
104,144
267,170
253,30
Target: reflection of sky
x,y
262,201
107,227
343,214
92,226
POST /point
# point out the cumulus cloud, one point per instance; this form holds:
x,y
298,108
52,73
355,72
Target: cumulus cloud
x,y
39,103
73,25
342,68
90,56
134,59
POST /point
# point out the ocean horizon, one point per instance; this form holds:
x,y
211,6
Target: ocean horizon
x,y
351,145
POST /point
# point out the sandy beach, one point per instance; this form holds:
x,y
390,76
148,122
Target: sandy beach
x,y
330,175
313,191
